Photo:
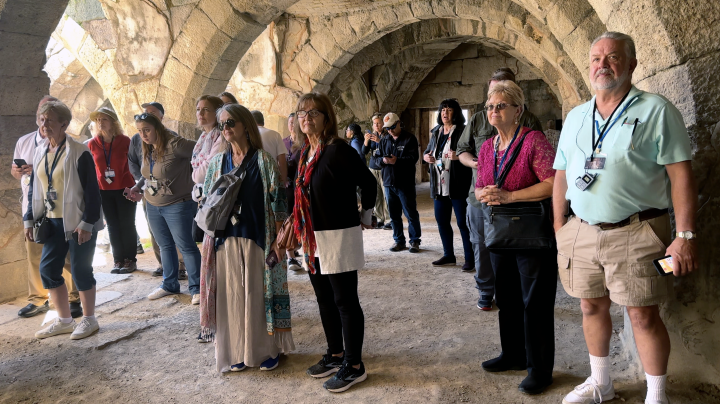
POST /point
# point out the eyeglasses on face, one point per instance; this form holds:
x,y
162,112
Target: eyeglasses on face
x,y
314,113
230,123
392,127
499,107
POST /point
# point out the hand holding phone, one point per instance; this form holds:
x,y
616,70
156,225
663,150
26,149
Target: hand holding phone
x,y
272,259
664,265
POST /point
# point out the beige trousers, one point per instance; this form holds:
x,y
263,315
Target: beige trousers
x,y
381,210
38,294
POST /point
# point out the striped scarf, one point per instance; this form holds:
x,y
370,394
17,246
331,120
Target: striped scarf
x,y
303,226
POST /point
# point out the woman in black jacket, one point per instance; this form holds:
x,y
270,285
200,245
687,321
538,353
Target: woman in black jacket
x,y
329,227
449,181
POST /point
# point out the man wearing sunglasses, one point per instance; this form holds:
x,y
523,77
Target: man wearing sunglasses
x,y
400,151
477,131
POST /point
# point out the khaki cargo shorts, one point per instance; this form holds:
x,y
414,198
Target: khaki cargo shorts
x,y
594,263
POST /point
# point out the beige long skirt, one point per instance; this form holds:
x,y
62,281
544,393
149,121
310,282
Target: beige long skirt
x,y
240,308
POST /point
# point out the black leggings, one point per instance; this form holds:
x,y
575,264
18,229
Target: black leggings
x,y
340,312
120,217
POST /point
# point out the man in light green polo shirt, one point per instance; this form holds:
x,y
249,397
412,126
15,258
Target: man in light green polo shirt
x,y
622,160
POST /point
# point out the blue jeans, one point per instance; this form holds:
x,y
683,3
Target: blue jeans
x,y
401,200
443,213
53,256
172,225
484,276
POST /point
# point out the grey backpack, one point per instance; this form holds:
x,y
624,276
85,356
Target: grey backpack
x,y
215,209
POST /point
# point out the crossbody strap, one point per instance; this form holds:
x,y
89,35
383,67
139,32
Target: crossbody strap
x,y
501,178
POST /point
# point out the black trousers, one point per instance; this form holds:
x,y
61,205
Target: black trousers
x,y
340,312
525,286
120,217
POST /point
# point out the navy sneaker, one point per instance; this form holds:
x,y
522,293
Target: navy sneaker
x,y
328,365
345,378
485,303
238,367
271,363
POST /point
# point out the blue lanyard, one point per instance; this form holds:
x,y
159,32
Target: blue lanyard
x,y
58,153
496,169
596,146
108,155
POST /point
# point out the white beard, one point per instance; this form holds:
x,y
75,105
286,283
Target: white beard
x,y
609,83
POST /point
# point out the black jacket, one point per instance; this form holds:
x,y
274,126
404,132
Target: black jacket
x,y
406,149
333,200
460,176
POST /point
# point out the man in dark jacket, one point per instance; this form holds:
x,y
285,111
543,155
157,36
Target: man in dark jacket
x,y
400,152
475,134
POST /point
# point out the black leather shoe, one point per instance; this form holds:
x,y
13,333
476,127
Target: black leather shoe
x,y
415,247
501,364
444,260
380,225
388,226
76,309
157,272
534,385
398,247
31,310
468,267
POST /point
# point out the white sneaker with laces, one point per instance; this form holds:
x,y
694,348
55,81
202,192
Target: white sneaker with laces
x,y
86,328
57,327
158,293
196,299
590,393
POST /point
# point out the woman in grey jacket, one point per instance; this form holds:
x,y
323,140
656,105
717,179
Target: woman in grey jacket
x,y
64,190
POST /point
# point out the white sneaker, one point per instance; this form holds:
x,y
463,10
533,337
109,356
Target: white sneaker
x,y
158,293
590,393
196,299
86,328
57,327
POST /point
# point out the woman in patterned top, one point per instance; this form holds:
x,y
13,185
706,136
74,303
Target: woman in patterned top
x,y
244,302
525,281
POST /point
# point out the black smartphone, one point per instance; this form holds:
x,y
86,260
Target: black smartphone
x,y
664,265
75,237
20,162
272,259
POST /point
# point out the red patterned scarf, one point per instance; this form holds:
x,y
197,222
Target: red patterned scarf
x,y
303,226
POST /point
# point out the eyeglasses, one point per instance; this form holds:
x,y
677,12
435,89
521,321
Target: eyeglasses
x,y
498,107
230,123
314,113
392,127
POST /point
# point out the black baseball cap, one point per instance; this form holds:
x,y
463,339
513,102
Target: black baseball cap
x,y
156,105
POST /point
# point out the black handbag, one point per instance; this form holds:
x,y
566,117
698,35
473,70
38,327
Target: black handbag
x,y
41,230
519,225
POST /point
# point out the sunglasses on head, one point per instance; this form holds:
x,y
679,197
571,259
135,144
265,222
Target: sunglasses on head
x,y
230,123
498,107
142,117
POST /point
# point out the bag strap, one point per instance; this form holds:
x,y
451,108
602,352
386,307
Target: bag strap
x,y
501,179
239,170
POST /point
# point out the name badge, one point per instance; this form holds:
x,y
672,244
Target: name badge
x,y
400,148
595,163
51,195
153,183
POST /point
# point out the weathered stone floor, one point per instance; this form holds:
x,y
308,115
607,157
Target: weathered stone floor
x,y
424,342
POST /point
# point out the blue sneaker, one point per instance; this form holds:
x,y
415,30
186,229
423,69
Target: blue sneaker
x,y
236,368
271,363
345,378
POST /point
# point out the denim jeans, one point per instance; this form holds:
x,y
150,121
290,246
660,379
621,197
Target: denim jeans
x,y
53,256
172,225
443,212
484,276
403,200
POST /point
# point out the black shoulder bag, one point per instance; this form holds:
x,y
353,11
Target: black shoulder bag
x,y
519,225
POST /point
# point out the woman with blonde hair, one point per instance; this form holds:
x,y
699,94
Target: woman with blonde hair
x,y
109,149
245,303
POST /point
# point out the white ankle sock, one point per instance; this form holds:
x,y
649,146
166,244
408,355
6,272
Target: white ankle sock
x,y
65,320
90,317
656,387
600,368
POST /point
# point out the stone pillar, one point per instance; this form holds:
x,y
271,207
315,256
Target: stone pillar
x,y
25,28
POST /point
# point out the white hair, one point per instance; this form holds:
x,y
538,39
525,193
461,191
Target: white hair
x,y
618,36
